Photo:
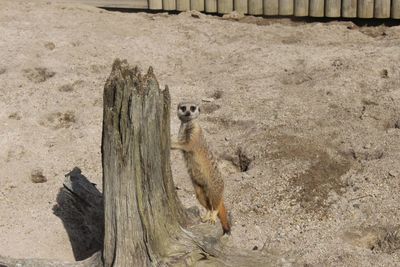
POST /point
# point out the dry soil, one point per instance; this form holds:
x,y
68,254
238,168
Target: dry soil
x,y
304,117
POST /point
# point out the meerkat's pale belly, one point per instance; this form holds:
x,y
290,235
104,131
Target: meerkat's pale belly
x,y
197,172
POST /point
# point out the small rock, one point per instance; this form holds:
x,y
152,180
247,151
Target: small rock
x,y
208,99
393,173
337,63
50,45
196,14
355,188
367,146
234,15
66,88
37,176
255,248
14,116
384,73
217,94
351,26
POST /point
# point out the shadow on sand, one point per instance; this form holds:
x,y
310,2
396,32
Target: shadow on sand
x,y
80,207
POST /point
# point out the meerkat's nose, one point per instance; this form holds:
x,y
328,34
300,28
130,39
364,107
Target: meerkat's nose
x,y
187,113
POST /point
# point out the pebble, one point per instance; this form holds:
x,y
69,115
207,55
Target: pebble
x,y
37,176
208,99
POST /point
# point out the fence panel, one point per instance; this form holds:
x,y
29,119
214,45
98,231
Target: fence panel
x,y
382,9
332,8
225,6
365,9
349,8
211,6
182,5
286,7
317,8
169,4
155,4
271,7
301,8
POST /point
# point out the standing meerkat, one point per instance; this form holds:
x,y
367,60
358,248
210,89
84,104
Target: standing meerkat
x,y
202,166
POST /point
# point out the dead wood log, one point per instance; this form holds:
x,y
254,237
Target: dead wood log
x,y
93,261
145,224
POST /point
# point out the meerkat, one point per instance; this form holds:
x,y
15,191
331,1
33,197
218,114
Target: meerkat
x,y
202,167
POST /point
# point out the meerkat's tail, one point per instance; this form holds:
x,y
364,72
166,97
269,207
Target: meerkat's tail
x,y
223,217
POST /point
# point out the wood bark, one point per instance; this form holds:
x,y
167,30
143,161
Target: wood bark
x,y
145,224
142,211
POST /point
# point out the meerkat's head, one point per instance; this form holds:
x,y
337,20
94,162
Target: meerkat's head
x,y
188,111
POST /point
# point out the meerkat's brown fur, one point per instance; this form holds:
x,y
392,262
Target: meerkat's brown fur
x,y
202,166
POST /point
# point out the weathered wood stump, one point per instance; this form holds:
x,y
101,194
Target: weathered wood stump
x,y
145,224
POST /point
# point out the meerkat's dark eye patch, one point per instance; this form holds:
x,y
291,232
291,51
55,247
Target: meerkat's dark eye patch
x,y
192,108
183,108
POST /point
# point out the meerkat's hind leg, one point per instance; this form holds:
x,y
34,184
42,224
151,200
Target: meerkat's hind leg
x,y
206,217
213,216
201,197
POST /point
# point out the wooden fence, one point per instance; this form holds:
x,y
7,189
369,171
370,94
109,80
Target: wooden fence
x,y
299,8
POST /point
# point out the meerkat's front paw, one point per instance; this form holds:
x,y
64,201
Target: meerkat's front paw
x,y
174,145
206,217
180,146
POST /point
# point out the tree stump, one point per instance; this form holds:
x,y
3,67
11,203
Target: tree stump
x,y
142,211
145,224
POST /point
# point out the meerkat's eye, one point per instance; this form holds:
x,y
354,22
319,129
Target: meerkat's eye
x,y
183,108
192,108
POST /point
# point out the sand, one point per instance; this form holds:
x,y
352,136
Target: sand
x,y
304,118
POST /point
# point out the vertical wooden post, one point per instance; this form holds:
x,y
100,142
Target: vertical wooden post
x,y
197,5
382,9
155,4
395,9
286,7
316,8
349,8
271,7
169,4
332,8
256,7
241,6
225,6
365,9
301,8
211,6
182,5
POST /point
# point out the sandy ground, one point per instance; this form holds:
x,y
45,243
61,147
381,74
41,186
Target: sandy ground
x,y
304,117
